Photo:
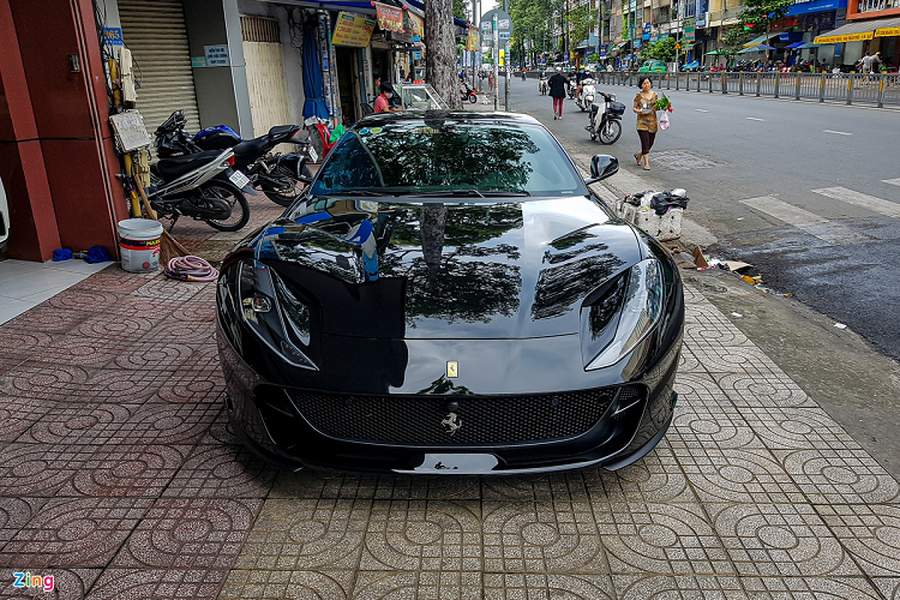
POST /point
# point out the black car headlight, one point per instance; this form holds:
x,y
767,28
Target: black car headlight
x,y
273,313
620,314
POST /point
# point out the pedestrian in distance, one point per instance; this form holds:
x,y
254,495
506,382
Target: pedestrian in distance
x,y
865,63
491,81
558,85
647,125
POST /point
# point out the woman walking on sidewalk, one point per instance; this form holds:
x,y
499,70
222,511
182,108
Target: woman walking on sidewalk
x,y
644,104
558,84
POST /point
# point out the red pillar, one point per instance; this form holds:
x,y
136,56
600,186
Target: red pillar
x,y
57,159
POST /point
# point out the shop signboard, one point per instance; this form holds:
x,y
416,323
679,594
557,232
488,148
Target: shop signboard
x,y
415,25
390,18
353,31
689,33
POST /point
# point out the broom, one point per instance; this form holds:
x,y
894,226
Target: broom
x,y
169,247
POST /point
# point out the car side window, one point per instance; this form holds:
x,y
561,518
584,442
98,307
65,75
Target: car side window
x,y
350,167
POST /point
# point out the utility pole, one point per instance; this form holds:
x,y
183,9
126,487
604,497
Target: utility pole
x,y
507,64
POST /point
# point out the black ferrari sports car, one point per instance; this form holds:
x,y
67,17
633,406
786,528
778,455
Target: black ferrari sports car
x,y
450,297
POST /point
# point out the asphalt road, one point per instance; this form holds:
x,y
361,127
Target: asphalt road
x,y
808,193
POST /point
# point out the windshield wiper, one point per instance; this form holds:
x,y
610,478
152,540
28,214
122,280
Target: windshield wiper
x,y
469,194
371,193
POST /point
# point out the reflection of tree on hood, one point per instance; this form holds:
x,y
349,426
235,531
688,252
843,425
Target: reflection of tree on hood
x,y
558,288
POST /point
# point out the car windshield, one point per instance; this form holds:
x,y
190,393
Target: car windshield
x,y
434,156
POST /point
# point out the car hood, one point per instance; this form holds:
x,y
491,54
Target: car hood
x,y
505,270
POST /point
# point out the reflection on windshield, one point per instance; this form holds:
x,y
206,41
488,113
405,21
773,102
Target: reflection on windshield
x,y
434,155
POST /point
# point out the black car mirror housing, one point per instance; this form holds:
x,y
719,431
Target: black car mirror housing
x,y
602,166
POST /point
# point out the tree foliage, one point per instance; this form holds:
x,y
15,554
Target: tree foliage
x,y
754,19
661,49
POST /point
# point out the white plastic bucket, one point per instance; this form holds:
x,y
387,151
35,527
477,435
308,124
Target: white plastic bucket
x,y
139,244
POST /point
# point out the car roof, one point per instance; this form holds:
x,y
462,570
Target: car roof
x,y
459,116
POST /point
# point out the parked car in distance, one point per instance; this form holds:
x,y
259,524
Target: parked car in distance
x,y
653,66
450,298
694,65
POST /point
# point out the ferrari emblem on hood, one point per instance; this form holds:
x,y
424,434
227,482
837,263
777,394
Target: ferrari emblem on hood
x,y
452,369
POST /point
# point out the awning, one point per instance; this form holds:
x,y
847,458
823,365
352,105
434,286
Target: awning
x,y
795,45
861,30
809,45
363,8
761,39
756,48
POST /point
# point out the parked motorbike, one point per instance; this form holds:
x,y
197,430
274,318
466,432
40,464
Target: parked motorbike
x,y
468,93
281,177
588,93
542,86
606,119
202,186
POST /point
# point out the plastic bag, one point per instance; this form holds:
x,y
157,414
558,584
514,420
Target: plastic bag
x,y
664,121
663,202
337,133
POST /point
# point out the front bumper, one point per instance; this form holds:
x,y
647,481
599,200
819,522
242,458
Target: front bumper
x,y
274,422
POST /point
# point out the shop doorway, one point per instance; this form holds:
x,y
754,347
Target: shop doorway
x,y
348,83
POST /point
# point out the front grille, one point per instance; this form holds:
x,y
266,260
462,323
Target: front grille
x,y
482,420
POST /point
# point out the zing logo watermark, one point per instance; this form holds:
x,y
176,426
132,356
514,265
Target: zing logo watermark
x,y
27,580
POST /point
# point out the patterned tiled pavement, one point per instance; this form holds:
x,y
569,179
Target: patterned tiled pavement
x,y
119,478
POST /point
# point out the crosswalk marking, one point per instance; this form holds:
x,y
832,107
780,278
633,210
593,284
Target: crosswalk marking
x,y
884,207
804,220
892,181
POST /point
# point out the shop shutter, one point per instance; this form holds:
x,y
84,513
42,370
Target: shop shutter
x,y
264,56
155,32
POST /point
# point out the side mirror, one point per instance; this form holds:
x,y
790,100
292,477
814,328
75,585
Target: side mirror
x,y
602,166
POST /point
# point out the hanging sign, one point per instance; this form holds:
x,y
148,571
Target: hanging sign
x,y
472,41
416,26
352,30
390,18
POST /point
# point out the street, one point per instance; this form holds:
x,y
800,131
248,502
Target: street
x,y
808,193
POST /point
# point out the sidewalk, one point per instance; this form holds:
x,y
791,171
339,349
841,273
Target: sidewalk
x,y
120,479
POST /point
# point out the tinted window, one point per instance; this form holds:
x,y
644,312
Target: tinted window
x,y
419,157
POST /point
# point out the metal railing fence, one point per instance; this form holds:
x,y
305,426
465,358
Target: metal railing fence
x,y
849,88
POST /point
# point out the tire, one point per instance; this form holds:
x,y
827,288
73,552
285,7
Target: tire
x,y
610,132
473,99
240,210
299,187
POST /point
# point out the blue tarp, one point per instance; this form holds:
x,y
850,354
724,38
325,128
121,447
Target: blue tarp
x,y
313,87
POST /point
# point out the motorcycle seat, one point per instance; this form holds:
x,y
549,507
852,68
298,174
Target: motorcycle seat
x,y
172,168
282,131
253,147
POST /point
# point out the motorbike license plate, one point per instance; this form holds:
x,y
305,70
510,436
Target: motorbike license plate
x,y
238,179
313,155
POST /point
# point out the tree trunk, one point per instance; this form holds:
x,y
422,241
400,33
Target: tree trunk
x,y
440,51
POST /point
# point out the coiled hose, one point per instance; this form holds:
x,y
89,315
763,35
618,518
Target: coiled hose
x,y
191,268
